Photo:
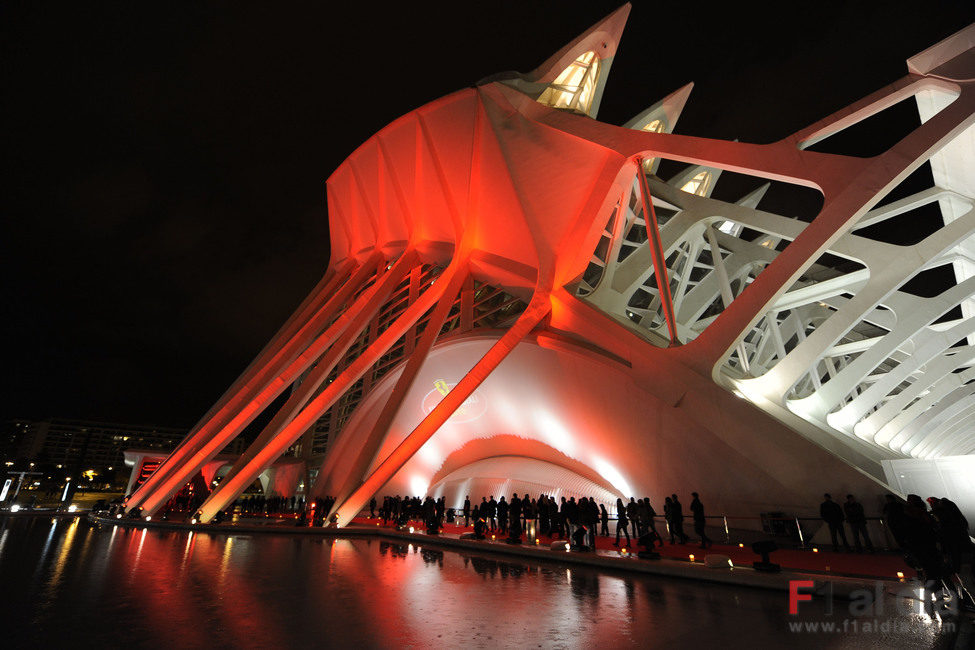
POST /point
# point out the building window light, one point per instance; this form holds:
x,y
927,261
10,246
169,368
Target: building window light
x,y
654,126
698,185
729,227
575,88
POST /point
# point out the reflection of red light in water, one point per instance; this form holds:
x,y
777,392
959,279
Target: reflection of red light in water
x,y
472,408
207,589
169,574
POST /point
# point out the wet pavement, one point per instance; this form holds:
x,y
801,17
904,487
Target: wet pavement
x,y
76,584
869,565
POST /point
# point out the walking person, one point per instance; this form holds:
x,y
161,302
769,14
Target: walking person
x,y
858,523
697,508
651,513
571,517
893,514
832,514
564,530
541,513
643,517
955,541
622,523
590,520
441,508
514,517
678,524
669,517
603,520
492,513
633,516
921,540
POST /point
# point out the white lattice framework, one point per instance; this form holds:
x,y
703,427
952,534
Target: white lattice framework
x,y
842,347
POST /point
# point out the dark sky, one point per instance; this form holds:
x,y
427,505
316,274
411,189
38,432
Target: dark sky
x,y
163,210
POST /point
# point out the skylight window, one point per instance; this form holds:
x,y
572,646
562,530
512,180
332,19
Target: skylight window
x,y
575,88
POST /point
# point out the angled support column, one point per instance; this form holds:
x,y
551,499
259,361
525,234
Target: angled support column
x,y
269,391
295,334
324,288
314,410
538,308
364,453
414,294
320,295
220,498
338,441
657,254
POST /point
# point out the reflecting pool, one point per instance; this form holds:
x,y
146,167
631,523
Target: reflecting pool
x,y
69,583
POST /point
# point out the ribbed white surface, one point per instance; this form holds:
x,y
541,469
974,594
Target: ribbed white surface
x,y
506,475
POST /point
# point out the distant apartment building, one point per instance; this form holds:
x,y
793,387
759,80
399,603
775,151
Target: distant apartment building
x,y
83,444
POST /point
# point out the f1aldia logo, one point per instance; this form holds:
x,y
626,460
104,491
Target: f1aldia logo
x,y
472,408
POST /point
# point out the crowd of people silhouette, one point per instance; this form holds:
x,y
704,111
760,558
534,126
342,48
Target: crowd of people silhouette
x,y
577,520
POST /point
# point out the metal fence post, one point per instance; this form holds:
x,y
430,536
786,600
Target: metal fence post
x,y
802,540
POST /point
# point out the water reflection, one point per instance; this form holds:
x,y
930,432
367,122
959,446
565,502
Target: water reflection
x,y
72,583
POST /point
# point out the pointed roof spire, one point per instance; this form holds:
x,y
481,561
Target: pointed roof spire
x,y
752,199
602,39
667,110
696,179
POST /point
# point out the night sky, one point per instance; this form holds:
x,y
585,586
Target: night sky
x,y
164,209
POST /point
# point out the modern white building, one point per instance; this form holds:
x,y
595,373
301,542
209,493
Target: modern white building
x,y
523,299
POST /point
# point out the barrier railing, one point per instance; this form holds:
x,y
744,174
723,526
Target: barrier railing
x,y
753,528
797,531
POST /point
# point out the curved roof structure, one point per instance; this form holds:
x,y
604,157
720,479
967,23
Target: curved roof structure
x,y
513,280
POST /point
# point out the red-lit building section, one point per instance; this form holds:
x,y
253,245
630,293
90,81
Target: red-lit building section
x,y
517,302
146,469
282,478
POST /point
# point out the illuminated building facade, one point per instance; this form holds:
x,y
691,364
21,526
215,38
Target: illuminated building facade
x,y
84,443
517,301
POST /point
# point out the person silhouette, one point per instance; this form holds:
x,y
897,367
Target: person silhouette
x,y
697,508
857,520
678,515
832,514
622,523
492,513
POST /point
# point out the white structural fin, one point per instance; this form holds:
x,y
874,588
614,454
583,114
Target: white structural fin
x,y
574,78
661,118
666,111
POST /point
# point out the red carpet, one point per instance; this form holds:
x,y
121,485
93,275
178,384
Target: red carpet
x,y
879,565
